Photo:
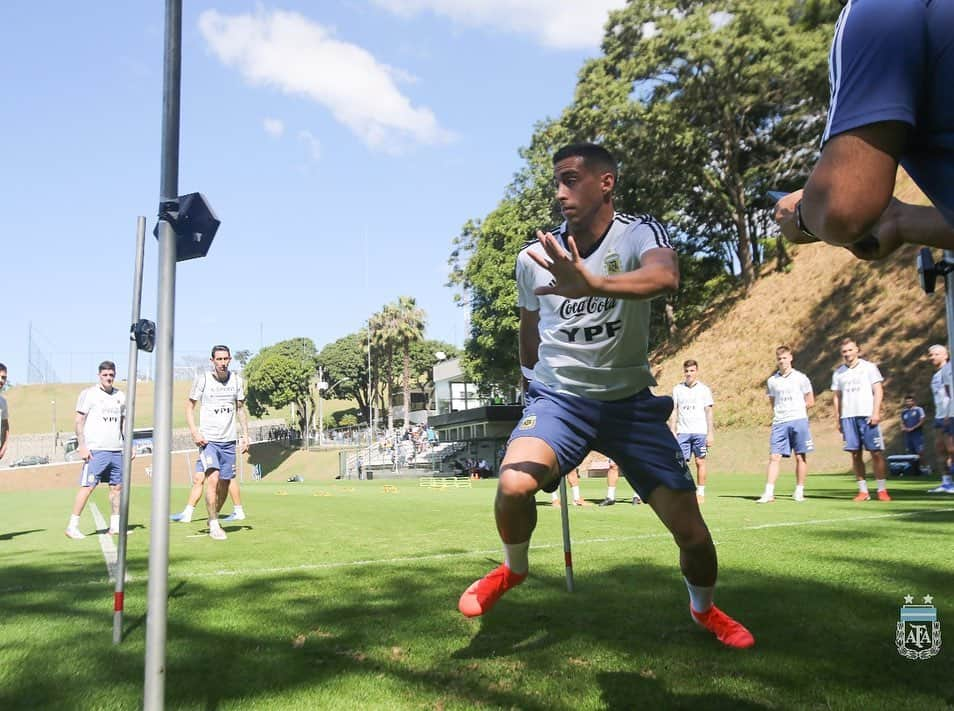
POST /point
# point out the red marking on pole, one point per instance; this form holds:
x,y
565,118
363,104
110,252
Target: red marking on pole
x,y
568,557
118,602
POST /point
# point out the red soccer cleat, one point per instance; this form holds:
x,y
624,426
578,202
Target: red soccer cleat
x,y
883,496
728,631
862,496
484,593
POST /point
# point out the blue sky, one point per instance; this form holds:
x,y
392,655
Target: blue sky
x,y
342,144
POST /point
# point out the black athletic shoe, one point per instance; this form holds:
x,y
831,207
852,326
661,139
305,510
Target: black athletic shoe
x,y
607,502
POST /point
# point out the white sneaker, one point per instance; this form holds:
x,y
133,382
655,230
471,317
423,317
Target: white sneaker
x,y
765,499
74,533
798,497
115,531
942,489
234,516
181,518
217,534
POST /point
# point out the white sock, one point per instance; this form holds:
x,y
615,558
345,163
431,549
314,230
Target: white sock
x,y
114,522
799,490
701,490
237,509
74,521
700,598
555,496
863,486
516,557
946,479
187,511
611,493
576,493
769,490
213,524
882,484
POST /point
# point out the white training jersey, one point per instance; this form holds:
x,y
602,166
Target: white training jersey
x,y
219,403
104,415
690,406
854,384
788,396
597,346
941,387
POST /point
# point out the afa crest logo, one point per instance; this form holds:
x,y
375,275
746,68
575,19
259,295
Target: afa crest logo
x,y
918,634
528,422
612,263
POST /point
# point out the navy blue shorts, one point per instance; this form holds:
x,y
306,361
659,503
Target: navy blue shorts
x,y
948,428
633,432
692,444
788,437
914,441
858,432
103,466
217,455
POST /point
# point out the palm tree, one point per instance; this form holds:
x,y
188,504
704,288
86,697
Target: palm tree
x,y
384,337
409,329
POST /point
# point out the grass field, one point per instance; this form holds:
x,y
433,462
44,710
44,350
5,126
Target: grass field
x,y
340,595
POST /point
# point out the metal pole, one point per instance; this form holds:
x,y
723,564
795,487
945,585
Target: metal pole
x,y
128,430
949,304
158,592
567,554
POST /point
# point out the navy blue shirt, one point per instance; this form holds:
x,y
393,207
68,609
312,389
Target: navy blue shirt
x,y
893,60
910,416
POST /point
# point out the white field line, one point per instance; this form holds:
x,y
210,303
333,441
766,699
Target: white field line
x,y
105,542
491,551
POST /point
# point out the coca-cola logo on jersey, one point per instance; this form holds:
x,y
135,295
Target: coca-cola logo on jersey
x,y
571,308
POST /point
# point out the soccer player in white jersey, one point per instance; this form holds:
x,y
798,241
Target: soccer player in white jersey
x,y
222,394
692,415
4,413
942,389
584,294
100,412
790,394
858,392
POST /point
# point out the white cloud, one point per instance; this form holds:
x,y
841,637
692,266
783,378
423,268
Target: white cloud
x,y
274,127
561,24
288,51
313,144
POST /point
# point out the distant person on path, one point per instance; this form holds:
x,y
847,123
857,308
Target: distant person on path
x,y
858,393
942,390
4,413
790,395
892,100
584,295
222,394
912,423
692,416
100,412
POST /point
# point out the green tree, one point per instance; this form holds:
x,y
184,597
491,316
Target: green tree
x,y
384,342
409,328
281,375
345,362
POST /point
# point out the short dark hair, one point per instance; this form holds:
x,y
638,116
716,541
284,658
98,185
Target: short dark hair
x,y
783,349
848,339
593,155
910,397
3,367
215,349
689,363
107,365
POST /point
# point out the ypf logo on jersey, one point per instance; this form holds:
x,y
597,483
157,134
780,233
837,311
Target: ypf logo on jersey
x,y
919,631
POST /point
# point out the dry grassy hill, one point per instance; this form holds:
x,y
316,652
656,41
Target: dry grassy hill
x,y
826,295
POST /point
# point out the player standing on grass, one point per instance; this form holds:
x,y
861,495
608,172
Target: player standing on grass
x,y
222,393
584,295
790,394
100,412
858,390
942,389
692,415
4,414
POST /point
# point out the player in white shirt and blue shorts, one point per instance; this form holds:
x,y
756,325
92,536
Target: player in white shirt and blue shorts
x,y
222,394
790,394
584,294
100,411
942,390
694,429
4,413
858,393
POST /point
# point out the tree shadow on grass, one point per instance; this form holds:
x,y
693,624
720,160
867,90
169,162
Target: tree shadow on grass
x,y
13,534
